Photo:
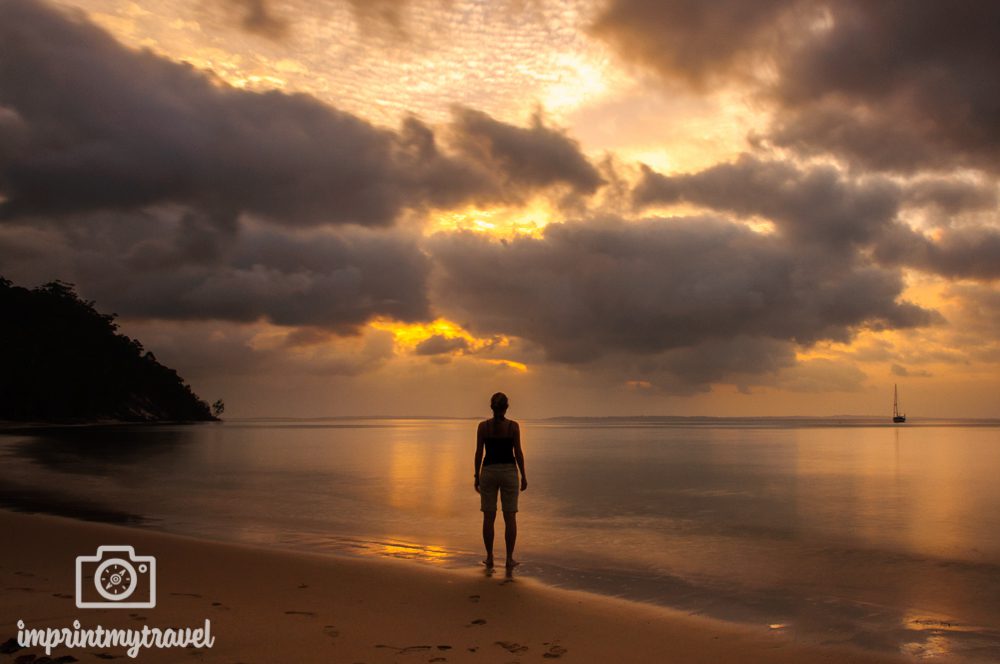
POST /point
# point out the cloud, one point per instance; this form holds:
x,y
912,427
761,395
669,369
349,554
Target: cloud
x,y
822,206
111,128
903,372
955,253
88,125
211,349
165,193
952,196
687,39
896,85
900,86
177,264
377,15
976,317
439,344
535,156
259,18
813,205
590,289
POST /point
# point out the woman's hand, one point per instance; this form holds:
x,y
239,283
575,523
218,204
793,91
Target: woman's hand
x,y
477,485
524,483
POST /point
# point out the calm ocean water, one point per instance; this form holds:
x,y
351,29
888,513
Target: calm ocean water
x,y
834,531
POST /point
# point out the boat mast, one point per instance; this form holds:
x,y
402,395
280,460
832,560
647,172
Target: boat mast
x,y
895,400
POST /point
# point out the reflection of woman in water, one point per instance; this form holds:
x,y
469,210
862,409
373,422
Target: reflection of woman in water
x,y
500,438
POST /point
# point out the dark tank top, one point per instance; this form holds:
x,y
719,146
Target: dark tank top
x,y
499,448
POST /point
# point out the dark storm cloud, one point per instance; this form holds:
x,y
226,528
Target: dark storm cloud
x,y
165,193
107,127
956,253
689,39
587,289
87,124
912,79
951,195
535,156
740,359
825,208
815,205
153,265
886,85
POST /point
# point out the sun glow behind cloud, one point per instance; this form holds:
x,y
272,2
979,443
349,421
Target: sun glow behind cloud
x,y
500,221
408,339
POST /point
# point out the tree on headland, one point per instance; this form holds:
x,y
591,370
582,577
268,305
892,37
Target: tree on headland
x,y
219,407
62,360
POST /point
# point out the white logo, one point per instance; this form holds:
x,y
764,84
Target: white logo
x,y
117,575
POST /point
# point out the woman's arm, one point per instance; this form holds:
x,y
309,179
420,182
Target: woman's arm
x,y
519,455
480,444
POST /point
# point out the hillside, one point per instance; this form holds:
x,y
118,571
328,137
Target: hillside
x,y
63,361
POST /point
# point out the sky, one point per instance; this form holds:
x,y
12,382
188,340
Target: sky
x,y
607,207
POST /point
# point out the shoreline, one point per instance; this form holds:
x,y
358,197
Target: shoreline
x,y
270,605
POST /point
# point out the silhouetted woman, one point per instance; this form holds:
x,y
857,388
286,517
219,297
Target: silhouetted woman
x,y
500,438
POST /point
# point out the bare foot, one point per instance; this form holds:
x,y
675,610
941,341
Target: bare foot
x,y
488,562
511,564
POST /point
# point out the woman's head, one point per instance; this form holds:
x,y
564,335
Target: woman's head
x,y
498,404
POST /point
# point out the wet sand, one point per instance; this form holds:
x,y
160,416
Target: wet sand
x,y
275,606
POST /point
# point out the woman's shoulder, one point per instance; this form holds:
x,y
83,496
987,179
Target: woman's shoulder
x,y
511,425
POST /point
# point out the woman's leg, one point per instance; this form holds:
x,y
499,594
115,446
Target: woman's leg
x,y
510,535
488,519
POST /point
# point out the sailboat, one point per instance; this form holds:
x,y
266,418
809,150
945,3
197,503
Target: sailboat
x,y
897,417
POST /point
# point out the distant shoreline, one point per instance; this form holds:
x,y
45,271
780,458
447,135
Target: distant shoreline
x,y
7,425
804,420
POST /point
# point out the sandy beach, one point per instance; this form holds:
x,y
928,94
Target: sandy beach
x,y
274,606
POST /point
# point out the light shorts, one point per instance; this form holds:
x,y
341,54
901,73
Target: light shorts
x,y
500,477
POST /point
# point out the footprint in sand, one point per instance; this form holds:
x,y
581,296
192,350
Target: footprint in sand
x,y
62,595
555,651
105,655
477,621
9,646
438,659
512,647
195,595
407,650
444,647
302,586
473,598
331,631
300,613
136,616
